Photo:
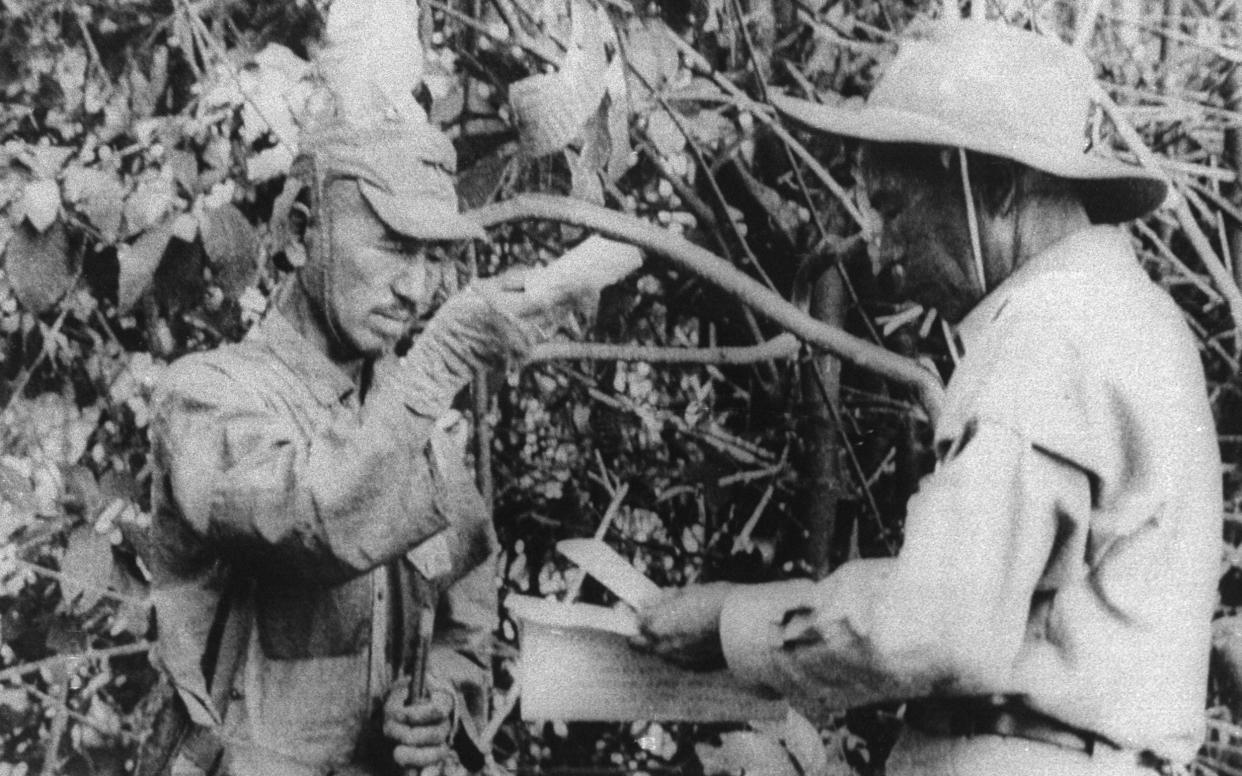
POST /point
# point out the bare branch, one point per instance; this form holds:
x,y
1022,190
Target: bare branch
x,y
779,347
1198,240
728,278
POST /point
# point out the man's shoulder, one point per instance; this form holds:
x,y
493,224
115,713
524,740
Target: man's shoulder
x,y
1099,301
217,373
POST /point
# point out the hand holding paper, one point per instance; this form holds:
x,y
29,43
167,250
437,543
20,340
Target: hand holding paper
x,y
683,626
579,662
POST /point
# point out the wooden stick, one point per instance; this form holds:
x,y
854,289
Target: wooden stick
x,y
728,278
780,347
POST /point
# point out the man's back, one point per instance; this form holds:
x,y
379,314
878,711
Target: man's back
x,y
1082,354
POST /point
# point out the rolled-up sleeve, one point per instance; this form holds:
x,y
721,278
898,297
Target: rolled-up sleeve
x,y
322,506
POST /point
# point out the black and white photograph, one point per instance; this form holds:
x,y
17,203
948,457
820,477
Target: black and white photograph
x,y
608,387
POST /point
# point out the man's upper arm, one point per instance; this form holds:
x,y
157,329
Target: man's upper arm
x,y
949,614
323,508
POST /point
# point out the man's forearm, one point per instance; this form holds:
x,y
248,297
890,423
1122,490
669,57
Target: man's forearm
x,y
813,642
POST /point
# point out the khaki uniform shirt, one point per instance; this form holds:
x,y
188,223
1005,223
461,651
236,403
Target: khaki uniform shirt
x,y
1065,550
280,495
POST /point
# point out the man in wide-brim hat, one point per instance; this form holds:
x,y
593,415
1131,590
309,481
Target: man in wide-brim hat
x,y
1049,610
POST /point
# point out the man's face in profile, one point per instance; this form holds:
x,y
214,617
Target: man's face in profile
x,y
382,283
923,245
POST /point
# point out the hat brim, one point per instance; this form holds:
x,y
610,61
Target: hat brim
x,y
422,218
1113,191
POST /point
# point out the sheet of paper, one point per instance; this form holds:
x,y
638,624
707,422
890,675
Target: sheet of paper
x,y
577,664
620,620
613,571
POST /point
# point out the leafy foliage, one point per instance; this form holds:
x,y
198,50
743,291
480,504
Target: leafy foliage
x,y
144,142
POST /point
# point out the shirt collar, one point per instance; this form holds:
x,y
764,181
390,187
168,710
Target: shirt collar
x,y
1091,250
329,384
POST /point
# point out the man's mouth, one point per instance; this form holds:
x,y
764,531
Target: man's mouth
x,y
397,321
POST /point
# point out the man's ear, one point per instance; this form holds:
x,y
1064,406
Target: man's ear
x,y
1008,185
290,222
997,182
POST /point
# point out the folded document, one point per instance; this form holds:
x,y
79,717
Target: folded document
x,y
577,664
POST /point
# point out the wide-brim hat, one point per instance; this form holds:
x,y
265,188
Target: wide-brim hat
x,y
404,171
998,90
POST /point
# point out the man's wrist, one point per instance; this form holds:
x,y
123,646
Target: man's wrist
x,y
751,632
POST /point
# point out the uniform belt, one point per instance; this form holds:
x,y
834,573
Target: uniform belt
x,y
982,717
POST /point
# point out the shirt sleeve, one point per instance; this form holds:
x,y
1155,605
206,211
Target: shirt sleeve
x,y
321,509
947,616
466,612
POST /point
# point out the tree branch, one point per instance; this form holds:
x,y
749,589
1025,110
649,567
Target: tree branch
x,y
728,278
779,347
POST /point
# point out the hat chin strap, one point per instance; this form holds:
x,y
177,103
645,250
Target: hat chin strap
x,y
972,220
317,278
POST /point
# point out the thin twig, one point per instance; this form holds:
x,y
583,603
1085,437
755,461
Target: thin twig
x,y
610,515
24,379
78,717
15,672
60,722
544,54
764,114
1198,240
69,579
739,449
1182,269
743,537
859,474
1086,25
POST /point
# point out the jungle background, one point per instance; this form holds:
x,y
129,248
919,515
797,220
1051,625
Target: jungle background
x,y
145,141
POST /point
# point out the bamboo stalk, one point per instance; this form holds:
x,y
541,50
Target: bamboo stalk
x,y
1086,25
1225,283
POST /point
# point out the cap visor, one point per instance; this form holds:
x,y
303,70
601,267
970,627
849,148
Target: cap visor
x,y
1137,191
420,217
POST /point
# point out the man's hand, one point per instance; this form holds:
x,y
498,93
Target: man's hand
x,y
508,293
419,729
683,627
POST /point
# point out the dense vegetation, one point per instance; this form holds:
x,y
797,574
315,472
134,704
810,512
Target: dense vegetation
x,y
144,142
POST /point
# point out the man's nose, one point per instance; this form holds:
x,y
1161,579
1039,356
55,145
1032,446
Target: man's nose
x,y
410,286
882,252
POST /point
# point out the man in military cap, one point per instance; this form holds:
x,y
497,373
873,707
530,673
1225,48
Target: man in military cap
x,y
1049,610
311,499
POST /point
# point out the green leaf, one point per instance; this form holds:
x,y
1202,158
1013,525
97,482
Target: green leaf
x,y
801,740
654,60
232,247
99,195
751,753
184,168
41,203
185,227
15,487
86,567
138,263
40,267
665,134
148,204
